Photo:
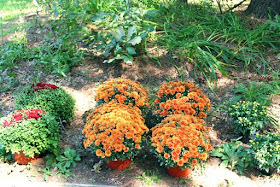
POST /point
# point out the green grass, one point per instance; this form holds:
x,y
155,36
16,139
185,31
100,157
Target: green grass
x,y
13,9
212,41
10,13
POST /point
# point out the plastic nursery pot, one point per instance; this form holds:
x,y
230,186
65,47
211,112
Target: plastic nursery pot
x,y
24,160
118,164
178,172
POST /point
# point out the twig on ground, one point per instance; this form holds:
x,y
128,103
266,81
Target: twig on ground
x,y
236,5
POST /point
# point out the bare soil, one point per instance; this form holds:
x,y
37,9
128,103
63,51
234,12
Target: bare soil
x,y
83,81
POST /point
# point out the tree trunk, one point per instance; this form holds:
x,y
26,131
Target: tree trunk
x,y
263,8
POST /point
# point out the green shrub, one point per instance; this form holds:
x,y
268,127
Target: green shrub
x,y
63,161
122,34
11,53
31,131
234,156
249,117
5,155
249,92
55,101
265,150
58,57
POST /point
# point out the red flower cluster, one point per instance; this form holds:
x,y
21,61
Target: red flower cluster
x,y
25,114
41,86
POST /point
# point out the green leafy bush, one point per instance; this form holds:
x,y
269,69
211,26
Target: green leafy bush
x,y
249,117
122,34
55,101
58,56
265,150
31,131
63,162
254,92
5,156
234,156
11,53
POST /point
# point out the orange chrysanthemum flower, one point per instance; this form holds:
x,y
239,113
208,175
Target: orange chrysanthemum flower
x,y
194,161
160,149
166,155
99,152
180,163
182,139
126,149
108,153
111,127
123,91
181,98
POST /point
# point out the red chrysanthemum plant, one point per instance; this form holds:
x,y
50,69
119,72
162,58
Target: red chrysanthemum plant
x,y
180,140
25,114
48,97
181,98
30,131
40,86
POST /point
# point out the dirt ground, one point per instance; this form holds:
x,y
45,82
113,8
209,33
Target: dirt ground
x,y
82,83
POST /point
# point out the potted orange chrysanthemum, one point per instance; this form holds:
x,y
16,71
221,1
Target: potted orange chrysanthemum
x,y
124,91
115,132
181,98
180,142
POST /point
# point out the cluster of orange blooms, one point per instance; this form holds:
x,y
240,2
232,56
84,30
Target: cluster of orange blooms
x,y
115,130
181,98
124,91
181,140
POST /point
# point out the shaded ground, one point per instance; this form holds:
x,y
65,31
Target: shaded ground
x,y
82,83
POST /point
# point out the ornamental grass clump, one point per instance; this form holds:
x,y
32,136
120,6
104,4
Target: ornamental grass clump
x,y
249,117
49,98
115,131
123,91
180,140
181,98
265,150
31,131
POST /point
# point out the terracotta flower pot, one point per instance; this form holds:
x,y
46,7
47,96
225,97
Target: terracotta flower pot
x,y
22,159
118,164
178,172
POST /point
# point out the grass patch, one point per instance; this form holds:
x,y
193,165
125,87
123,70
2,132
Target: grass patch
x,y
211,41
11,12
13,9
